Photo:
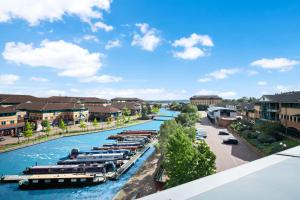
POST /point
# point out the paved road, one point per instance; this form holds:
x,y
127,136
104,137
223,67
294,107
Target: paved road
x,y
228,156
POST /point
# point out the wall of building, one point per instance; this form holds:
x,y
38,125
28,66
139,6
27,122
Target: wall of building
x,y
8,120
205,101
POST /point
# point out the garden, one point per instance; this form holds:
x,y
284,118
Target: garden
x,y
267,137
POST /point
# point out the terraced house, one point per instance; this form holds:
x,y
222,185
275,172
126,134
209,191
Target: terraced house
x,y
283,107
71,113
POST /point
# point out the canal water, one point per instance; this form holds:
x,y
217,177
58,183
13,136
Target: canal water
x,y
14,162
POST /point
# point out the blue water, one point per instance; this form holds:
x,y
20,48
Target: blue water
x,y
14,162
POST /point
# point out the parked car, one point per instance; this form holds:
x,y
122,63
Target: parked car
x,y
199,138
230,140
2,139
201,133
223,133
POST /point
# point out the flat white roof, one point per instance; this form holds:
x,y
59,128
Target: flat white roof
x,y
273,177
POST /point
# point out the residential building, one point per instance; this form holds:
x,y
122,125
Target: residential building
x,y
71,113
283,107
134,107
205,100
9,124
103,113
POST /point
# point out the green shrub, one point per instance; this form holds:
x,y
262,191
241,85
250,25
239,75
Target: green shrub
x,y
265,138
253,135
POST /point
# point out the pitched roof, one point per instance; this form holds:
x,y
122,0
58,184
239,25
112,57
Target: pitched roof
x,y
8,109
103,109
205,97
92,100
15,99
129,105
39,106
287,97
127,99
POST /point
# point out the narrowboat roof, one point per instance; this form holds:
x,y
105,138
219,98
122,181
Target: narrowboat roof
x,y
61,176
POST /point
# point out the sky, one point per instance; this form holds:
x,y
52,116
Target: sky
x,y
151,49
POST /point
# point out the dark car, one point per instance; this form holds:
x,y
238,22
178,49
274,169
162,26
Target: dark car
x,y
2,139
230,140
223,133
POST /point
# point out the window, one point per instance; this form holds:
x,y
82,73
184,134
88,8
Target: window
x,y
12,122
82,180
47,181
61,180
73,180
3,122
35,181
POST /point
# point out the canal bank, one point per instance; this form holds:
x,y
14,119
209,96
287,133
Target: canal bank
x,y
14,162
45,138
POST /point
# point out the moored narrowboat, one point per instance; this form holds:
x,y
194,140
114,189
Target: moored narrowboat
x,y
62,169
93,158
47,181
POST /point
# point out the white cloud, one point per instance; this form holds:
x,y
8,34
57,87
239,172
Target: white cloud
x,y
204,80
68,59
191,49
224,94
281,64
101,25
35,11
144,93
102,79
39,79
252,72
8,79
148,39
112,44
262,83
55,92
90,38
223,73
283,88
74,90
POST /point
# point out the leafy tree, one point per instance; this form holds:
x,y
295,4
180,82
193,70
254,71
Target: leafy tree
x,y
45,123
189,108
175,106
28,132
144,113
82,125
167,129
95,123
154,110
187,119
183,162
126,111
62,125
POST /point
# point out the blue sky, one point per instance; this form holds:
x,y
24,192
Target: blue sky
x,y
169,49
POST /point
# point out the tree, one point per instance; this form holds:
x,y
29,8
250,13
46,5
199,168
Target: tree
x,y
144,113
189,108
183,162
187,119
95,123
126,111
167,129
154,109
28,130
82,125
46,126
62,125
